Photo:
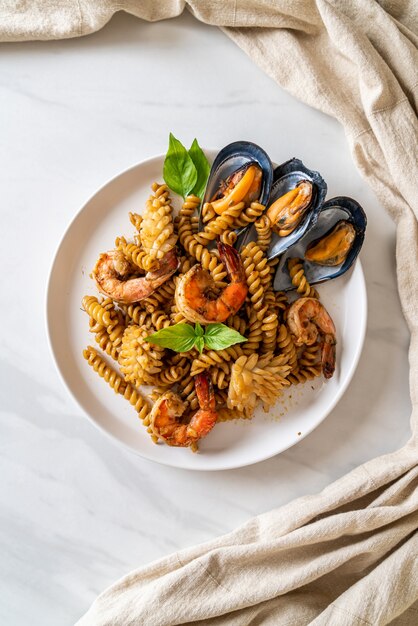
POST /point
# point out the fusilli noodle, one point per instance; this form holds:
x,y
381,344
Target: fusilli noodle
x,y
249,215
139,360
157,228
208,213
286,346
208,260
299,280
132,252
264,232
94,309
217,226
215,358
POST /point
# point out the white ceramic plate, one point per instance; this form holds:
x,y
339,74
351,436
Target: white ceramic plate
x,y
230,444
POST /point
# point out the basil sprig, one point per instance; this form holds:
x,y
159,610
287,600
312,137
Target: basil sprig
x,y
185,171
183,337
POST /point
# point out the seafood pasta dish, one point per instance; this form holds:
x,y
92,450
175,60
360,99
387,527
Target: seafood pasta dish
x,y
202,314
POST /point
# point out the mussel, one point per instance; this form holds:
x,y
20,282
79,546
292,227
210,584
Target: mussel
x,y
296,196
332,248
288,210
243,185
241,171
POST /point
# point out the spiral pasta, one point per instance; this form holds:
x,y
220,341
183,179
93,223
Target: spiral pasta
x,y
220,376
251,380
208,260
94,309
159,298
159,320
115,315
237,323
214,358
186,263
137,314
270,299
106,344
217,226
100,366
264,232
299,280
304,374
187,392
253,251
189,206
251,260
157,228
286,346
169,376
309,356
139,360
140,405
133,253
208,213
116,331
282,301
249,215
179,358
229,237
269,331
254,334
194,222
175,315
95,327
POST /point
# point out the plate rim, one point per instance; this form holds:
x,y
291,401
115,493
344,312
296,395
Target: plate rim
x,y
47,303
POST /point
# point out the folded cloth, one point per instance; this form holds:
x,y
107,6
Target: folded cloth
x,y
348,555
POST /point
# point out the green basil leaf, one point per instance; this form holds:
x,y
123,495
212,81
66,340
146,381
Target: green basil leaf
x,y
180,337
219,336
200,344
179,171
198,330
202,166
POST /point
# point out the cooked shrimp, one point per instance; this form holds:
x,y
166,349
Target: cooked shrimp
x,y
167,412
113,276
307,318
195,294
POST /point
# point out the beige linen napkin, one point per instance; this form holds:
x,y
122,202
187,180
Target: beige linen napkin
x,y
348,555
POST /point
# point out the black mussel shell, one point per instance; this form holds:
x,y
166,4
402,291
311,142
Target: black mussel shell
x,y
331,212
285,178
233,157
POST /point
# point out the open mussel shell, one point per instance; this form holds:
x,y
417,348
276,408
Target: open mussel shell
x,y
233,157
331,212
286,177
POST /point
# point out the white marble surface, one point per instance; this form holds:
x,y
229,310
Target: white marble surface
x,y
77,512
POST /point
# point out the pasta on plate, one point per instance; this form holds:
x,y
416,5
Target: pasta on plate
x,y
146,280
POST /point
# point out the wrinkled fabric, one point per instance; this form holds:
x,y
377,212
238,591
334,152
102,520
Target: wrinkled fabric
x,y
348,555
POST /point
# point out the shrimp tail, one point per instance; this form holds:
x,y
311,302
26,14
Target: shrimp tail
x,y
204,391
328,356
205,419
231,258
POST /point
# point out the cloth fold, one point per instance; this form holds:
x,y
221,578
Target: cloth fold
x,y
348,555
